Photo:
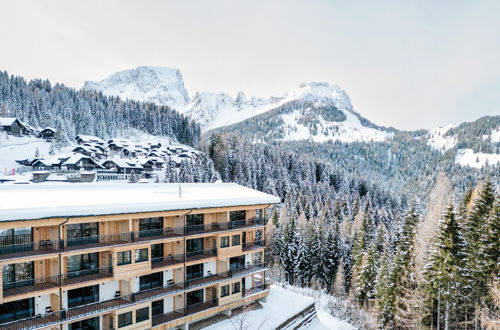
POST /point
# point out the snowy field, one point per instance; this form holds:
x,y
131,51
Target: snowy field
x,y
14,147
280,306
439,141
467,157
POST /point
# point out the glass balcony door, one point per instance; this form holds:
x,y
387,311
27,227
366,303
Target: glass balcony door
x,y
150,227
82,233
83,296
81,264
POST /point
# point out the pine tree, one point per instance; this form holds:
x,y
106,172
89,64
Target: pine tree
x,y
444,272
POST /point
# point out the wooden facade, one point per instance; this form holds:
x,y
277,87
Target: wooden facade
x,y
143,267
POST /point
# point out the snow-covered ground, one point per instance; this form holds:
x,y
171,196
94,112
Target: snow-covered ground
x,y
350,130
467,157
281,304
439,141
15,147
495,135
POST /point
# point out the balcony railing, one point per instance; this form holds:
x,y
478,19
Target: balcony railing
x,y
189,310
254,290
21,245
167,261
138,297
254,245
31,285
201,254
54,281
87,275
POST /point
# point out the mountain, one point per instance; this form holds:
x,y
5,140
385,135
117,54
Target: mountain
x,y
322,111
159,85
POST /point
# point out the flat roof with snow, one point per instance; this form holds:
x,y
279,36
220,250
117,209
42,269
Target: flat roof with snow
x,y
52,200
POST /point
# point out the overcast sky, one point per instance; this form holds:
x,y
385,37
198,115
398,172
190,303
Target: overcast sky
x,y
407,64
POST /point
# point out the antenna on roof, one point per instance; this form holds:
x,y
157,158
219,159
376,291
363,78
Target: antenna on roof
x,y
180,190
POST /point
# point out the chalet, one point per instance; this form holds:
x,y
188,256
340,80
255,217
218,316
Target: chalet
x,y
82,139
13,126
79,161
121,166
48,133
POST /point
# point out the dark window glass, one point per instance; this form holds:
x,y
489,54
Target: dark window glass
x,y
224,291
157,307
236,287
194,297
82,230
194,271
124,319
88,324
150,227
17,272
156,251
236,240
224,241
83,262
83,296
193,245
141,255
194,219
237,262
142,314
151,281
16,236
123,258
17,310
237,215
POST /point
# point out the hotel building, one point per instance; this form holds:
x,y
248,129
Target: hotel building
x,y
128,256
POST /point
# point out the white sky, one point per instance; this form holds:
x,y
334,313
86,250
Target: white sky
x,y
408,64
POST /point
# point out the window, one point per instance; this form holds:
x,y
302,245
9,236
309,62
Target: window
x,y
83,296
123,258
224,291
150,226
89,324
83,262
151,281
157,307
236,287
80,232
124,319
236,262
17,310
193,245
194,297
13,273
237,215
236,240
224,241
141,255
156,251
194,219
15,236
142,314
194,271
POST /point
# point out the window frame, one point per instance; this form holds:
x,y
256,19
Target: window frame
x,y
223,291
129,319
234,286
224,242
140,312
139,255
123,253
233,240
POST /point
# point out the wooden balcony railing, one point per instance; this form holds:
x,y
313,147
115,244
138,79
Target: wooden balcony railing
x,y
253,245
21,245
40,321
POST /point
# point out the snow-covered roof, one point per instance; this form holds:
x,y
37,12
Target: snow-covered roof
x,y
48,200
7,121
90,138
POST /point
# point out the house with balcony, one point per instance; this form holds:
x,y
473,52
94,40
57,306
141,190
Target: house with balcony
x,y
125,256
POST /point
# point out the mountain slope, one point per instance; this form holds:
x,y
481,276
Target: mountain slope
x,y
160,85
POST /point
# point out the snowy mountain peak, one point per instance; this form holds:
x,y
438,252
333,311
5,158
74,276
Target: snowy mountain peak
x,y
321,92
160,85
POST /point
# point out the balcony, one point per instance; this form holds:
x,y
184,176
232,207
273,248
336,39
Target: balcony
x,y
221,226
253,245
189,310
54,281
87,275
257,289
97,241
167,261
201,254
31,285
21,247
